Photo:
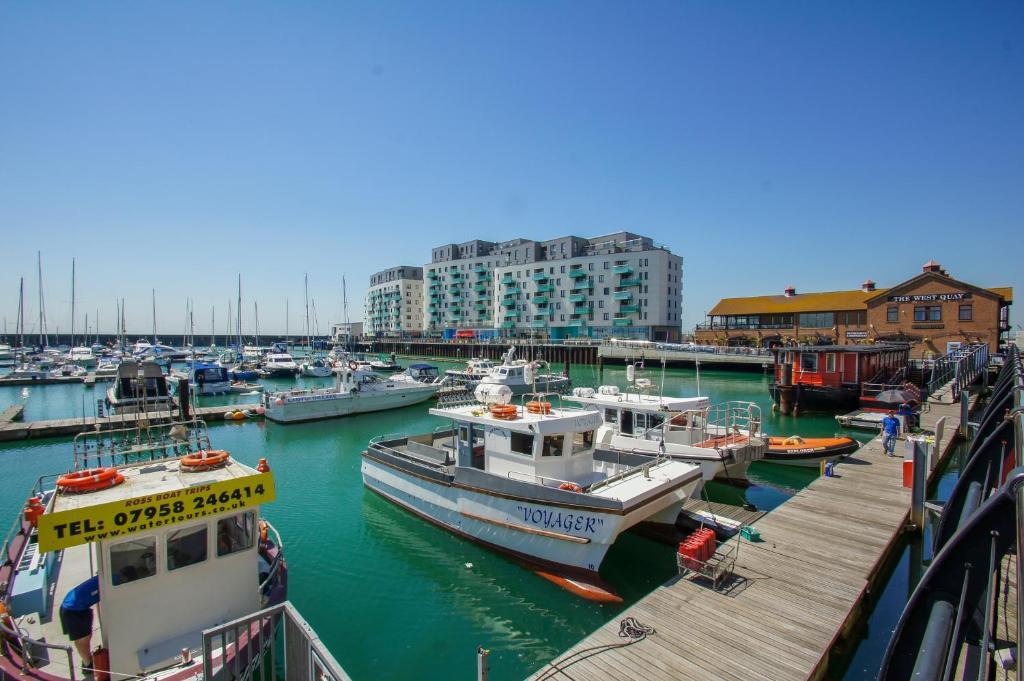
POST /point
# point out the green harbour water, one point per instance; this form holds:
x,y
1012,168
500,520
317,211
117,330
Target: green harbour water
x,y
391,595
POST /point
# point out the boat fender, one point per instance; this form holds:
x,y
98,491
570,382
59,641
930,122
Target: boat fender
x,y
260,411
279,402
263,466
238,416
101,664
571,487
264,532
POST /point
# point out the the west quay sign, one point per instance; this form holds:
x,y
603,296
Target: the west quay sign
x,y
930,297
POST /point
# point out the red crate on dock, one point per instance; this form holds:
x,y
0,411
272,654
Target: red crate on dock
x,y
706,536
690,553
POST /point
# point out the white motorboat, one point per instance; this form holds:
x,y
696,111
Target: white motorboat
x,y
69,371
354,392
317,367
527,480
723,439
31,371
139,388
145,529
475,370
279,364
419,373
82,356
6,353
522,377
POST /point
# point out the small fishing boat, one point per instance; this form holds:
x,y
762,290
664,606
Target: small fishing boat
x,y
808,451
206,378
385,364
69,371
523,377
723,439
419,373
142,520
139,388
526,480
279,364
354,392
474,370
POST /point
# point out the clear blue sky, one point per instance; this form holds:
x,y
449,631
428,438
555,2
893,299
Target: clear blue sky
x,y
176,144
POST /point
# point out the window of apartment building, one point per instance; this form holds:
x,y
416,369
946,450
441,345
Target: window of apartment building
x,y
600,278
605,316
562,269
966,313
605,265
562,316
927,313
606,290
561,294
892,314
590,266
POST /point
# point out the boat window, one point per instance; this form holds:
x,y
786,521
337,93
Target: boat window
x,y
186,547
521,443
581,442
611,416
235,533
626,426
830,362
553,445
503,372
808,361
133,560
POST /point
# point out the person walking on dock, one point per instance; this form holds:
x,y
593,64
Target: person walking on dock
x,y
890,431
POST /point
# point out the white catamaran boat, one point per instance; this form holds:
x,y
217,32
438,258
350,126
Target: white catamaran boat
x,y
139,388
723,439
354,392
526,480
168,534
279,364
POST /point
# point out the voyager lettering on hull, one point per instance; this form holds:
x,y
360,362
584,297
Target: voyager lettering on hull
x,y
566,521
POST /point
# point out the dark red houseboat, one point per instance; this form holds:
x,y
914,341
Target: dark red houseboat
x,y
831,377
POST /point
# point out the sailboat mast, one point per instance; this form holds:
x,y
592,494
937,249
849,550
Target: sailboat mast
x,y
213,326
256,312
238,326
43,340
154,316
307,309
21,315
72,302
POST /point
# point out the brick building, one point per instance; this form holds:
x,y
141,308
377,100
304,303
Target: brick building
x,y
932,311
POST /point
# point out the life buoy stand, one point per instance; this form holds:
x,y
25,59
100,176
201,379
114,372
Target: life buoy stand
x,y
204,460
89,480
571,487
505,412
538,407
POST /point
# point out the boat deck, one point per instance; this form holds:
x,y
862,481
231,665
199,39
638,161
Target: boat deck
x,y
792,596
76,566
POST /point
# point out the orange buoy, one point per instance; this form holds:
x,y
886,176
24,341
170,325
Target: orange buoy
x,y
264,531
89,480
203,460
263,466
33,509
538,407
571,487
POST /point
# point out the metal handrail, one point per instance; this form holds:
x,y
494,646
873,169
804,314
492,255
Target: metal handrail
x,y
541,478
26,643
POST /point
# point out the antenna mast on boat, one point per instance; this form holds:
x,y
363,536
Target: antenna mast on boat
x,y
344,314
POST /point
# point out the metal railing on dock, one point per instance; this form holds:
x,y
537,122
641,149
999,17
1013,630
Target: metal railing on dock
x,y
961,367
273,643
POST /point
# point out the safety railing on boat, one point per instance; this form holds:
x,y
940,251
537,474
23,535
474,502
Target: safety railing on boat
x,y
275,567
542,479
644,468
722,425
152,442
378,443
275,642
26,647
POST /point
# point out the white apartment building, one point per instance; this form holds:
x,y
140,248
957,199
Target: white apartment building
x,y
394,302
622,285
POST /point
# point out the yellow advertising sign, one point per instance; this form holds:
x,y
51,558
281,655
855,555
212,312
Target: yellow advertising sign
x,y
115,519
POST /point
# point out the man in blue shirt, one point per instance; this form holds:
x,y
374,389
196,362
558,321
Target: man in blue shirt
x,y
76,618
890,431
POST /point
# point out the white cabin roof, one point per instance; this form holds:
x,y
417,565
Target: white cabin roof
x,y
152,477
572,420
643,402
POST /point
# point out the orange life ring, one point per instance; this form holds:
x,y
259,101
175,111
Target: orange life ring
x,y
89,480
203,460
571,487
538,407
505,412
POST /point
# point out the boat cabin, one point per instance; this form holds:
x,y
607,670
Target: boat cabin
x,y
533,447
203,374
833,366
175,552
424,373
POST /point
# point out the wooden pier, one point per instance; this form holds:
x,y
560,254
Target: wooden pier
x,y
18,430
793,595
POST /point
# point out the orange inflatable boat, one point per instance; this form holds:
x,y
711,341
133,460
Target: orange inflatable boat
x,y
808,451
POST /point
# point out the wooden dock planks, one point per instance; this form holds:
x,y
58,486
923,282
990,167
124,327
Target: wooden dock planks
x,y
794,594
